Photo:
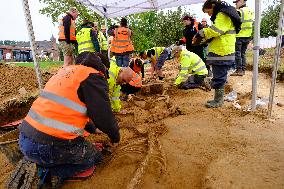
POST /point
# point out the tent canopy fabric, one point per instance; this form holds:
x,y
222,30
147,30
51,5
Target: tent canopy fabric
x,y
118,8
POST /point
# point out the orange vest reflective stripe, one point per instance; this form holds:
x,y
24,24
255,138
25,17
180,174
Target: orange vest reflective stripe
x,y
196,25
72,30
121,42
136,80
58,110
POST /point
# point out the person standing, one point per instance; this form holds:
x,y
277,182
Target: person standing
x,y
67,35
204,23
191,29
121,45
243,37
226,23
87,38
102,36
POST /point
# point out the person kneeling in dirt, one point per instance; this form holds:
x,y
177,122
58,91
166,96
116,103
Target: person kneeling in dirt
x,y
192,64
157,56
119,76
136,64
52,134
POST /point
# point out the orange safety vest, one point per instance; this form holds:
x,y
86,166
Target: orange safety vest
x,y
136,68
136,80
58,110
121,42
72,30
196,25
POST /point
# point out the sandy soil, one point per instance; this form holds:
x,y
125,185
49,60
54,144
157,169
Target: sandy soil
x,y
174,141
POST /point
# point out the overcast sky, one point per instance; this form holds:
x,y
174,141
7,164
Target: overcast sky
x,y
13,25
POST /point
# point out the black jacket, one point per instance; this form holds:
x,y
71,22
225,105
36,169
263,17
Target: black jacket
x,y
189,32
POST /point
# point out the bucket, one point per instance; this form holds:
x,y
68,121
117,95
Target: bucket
x,y
9,146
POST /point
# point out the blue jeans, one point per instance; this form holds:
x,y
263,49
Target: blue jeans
x,y
62,160
122,60
162,58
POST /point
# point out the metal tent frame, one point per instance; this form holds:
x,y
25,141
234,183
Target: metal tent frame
x,y
117,8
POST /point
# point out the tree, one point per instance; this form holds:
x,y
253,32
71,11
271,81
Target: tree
x,y
170,25
269,21
149,28
55,8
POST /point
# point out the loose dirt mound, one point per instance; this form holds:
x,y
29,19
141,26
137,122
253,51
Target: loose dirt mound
x,y
17,81
18,89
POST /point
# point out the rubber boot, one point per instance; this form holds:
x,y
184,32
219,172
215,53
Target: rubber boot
x,y
218,99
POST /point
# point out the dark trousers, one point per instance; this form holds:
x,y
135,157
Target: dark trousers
x,y
105,53
61,160
162,59
241,48
193,81
122,60
219,76
129,89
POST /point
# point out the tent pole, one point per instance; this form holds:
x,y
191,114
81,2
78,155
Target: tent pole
x,y
276,59
255,54
32,40
108,49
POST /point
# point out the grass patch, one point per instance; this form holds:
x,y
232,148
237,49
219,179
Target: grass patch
x,y
46,65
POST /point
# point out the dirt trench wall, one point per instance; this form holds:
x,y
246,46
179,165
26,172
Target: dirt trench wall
x,y
15,109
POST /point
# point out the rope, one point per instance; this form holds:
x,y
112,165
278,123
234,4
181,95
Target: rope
x,y
32,40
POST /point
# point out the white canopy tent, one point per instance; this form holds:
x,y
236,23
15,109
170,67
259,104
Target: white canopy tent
x,y
119,8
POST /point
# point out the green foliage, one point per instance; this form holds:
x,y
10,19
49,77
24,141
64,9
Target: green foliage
x,y
149,29
55,8
156,28
169,27
269,21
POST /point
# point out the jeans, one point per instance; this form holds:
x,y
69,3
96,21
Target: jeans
x,y
122,60
241,48
219,76
162,58
62,160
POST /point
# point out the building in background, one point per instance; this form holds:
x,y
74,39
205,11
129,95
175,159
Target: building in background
x,y
21,51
